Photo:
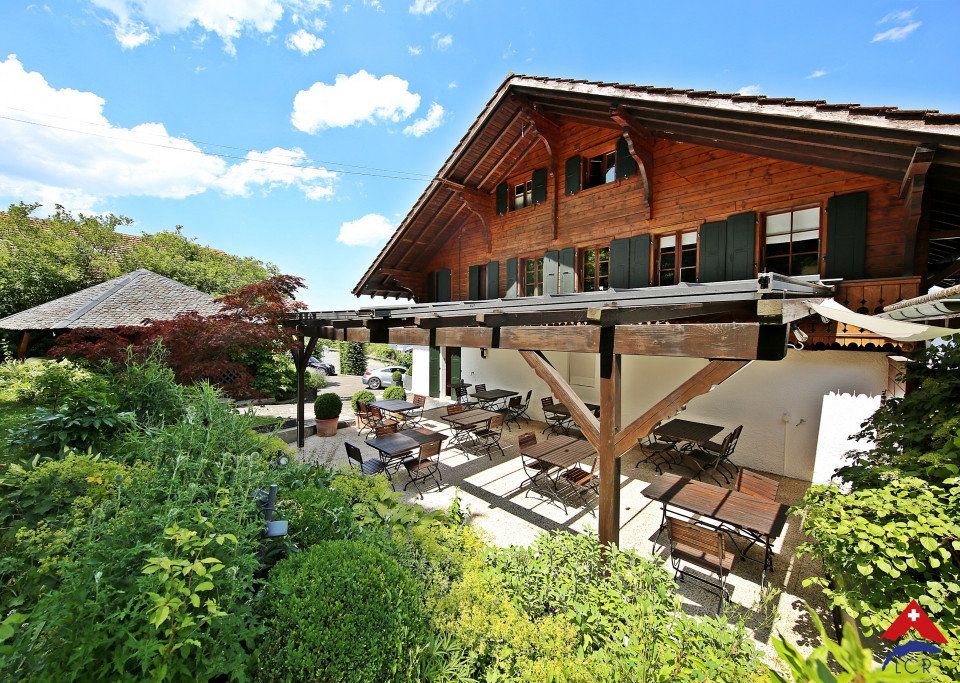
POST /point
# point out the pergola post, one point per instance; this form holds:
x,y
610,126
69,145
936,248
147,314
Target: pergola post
x,y
609,505
24,343
301,355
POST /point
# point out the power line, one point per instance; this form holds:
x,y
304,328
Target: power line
x,y
384,173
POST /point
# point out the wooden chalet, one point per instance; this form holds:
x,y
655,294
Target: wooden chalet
x,y
639,245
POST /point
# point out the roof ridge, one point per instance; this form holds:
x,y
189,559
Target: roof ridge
x,y
123,281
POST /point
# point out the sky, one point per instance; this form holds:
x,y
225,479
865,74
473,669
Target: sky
x,y
302,131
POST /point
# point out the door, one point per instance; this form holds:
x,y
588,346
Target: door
x,y
435,371
452,357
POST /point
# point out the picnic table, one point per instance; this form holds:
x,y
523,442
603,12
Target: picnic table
x,y
402,443
687,430
561,453
758,519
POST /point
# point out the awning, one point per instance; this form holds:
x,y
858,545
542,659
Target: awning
x,y
943,303
891,329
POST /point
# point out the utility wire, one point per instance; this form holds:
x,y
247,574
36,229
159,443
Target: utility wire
x,y
383,173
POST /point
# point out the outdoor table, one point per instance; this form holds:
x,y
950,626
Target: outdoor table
x,y
758,519
489,396
401,443
560,426
687,430
467,421
561,453
394,405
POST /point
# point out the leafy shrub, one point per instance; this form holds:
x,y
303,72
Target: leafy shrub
x,y
48,383
317,514
362,396
80,423
274,374
315,380
353,358
394,393
397,378
327,406
340,611
376,504
149,389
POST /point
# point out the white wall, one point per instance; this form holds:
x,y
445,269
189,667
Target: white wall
x,y
421,370
781,404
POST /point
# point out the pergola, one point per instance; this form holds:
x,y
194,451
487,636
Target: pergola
x,y
729,324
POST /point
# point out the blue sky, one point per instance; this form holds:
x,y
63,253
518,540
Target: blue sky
x,y
303,98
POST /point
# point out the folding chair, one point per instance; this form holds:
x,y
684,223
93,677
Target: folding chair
x,y
532,468
657,453
582,480
377,420
425,466
488,438
759,486
366,421
355,458
458,433
556,422
703,548
413,418
715,457
460,392
512,412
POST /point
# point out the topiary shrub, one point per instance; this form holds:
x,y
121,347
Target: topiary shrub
x,y
397,378
394,393
340,611
353,358
327,406
362,396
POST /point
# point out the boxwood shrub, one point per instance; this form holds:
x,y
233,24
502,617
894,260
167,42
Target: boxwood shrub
x,y
394,393
327,406
362,396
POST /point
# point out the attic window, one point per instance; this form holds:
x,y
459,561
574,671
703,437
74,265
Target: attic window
x,y
600,169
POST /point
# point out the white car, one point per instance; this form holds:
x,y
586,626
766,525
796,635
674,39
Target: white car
x,y
375,379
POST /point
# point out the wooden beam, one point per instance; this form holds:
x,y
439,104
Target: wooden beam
x,y
483,157
468,337
409,336
715,372
640,143
357,334
919,165
545,124
582,415
912,221
608,526
529,139
476,203
24,344
944,273
742,341
576,339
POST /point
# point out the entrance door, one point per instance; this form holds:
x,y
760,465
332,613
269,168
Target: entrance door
x,y
453,375
435,371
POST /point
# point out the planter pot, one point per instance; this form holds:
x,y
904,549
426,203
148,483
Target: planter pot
x,y
327,427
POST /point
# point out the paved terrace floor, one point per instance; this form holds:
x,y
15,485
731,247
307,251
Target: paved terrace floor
x,y
508,512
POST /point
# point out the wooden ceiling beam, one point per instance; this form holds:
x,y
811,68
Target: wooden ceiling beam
x,y
583,416
919,165
486,153
495,172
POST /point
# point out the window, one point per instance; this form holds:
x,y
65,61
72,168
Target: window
x,y
671,267
792,242
522,195
533,276
600,169
594,269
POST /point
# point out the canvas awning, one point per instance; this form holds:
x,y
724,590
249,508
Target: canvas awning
x,y
897,330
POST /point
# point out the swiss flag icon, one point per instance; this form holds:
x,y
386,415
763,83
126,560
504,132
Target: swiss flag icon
x,y
913,617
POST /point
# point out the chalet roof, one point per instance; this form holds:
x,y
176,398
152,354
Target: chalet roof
x,y
877,141
126,300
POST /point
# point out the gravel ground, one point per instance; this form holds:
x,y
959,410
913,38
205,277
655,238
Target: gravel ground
x,y
508,512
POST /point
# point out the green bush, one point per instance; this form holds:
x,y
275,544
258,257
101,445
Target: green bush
x,y
353,358
315,380
362,396
394,393
274,374
397,378
340,611
48,383
327,406
149,390
317,514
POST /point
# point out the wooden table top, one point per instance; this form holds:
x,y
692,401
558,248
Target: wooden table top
x,y
688,430
394,405
759,515
561,451
404,442
468,418
494,394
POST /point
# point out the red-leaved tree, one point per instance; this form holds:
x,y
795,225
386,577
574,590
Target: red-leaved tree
x,y
202,347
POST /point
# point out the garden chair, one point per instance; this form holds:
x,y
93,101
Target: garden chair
x,y
703,548
556,422
463,398
532,468
488,438
377,420
425,466
657,453
583,481
714,457
512,412
458,433
366,420
368,466
757,485
415,417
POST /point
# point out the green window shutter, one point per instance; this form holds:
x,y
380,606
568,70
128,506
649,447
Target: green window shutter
x,y
568,260
435,371
713,251
741,234
493,280
501,199
626,164
455,374
551,271
431,286
640,261
540,186
443,284
572,175
620,263
846,235
474,283
512,289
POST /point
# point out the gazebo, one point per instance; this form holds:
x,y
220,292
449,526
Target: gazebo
x,y
128,300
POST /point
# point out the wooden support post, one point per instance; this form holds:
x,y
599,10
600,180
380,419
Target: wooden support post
x,y
579,412
301,356
609,458
24,343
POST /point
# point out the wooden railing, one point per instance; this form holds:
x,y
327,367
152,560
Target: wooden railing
x,y
861,296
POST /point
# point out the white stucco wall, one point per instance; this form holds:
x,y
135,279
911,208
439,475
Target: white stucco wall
x,y
421,370
797,413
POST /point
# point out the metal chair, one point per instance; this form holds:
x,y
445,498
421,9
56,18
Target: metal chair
x,y
512,412
657,453
355,458
377,420
556,422
461,394
425,466
366,421
532,468
488,438
414,417
582,480
458,433
703,548
715,457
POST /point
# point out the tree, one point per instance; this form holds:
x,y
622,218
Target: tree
x,y
353,358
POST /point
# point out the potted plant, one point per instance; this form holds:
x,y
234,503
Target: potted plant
x,y
362,396
397,378
327,409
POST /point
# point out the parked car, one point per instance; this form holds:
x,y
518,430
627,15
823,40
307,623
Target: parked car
x,y
321,366
374,379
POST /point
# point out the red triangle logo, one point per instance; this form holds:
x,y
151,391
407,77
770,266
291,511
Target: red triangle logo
x,y
913,617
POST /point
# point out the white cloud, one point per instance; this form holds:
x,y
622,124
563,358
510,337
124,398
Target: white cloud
x,y
414,50
898,16
304,42
750,90
78,158
365,231
818,73
430,122
897,33
352,100
442,42
424,6
452,85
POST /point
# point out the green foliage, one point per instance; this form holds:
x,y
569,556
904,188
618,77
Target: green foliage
x,y
853,661
315,380
394,393
390,355
340,611
327,406
362,396
885,546
397,378
317,514
376,504
46,383
353,358
274,374
149,390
